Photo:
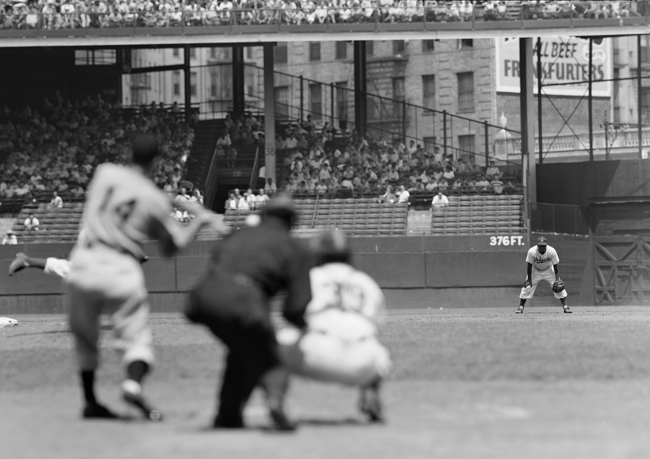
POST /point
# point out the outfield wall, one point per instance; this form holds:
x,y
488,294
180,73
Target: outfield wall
x,y
427,271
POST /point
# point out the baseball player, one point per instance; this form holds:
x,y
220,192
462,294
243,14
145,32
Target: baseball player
x,y
339,343
232,300
123,210
54,266
540,259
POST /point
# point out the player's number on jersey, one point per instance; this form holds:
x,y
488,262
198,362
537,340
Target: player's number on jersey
x,y
122,210
346,296
506,240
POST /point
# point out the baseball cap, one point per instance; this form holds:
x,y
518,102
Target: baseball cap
x,y
542,241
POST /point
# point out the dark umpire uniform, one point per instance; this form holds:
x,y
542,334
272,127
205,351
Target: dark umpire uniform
x,y
232,300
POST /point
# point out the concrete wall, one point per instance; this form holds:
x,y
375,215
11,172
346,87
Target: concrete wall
x,y
575,183
458,271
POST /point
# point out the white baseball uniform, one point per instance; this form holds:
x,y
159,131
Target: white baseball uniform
x,y
339,344
57,267
542,270
123,210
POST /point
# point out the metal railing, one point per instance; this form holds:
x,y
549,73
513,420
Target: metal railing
x,y
28,17
558,218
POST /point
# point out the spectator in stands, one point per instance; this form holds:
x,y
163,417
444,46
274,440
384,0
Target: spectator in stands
x,y
270,187
261,177
56,202
10,238
182,195
232,202
388,197
404,195
496,184
262,199
471,166
439,200
231,156
483,183
31,223
251,199
493,171
196,196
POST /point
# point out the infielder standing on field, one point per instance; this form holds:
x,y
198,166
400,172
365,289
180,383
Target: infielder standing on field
x,y
123,210
339,344
540,259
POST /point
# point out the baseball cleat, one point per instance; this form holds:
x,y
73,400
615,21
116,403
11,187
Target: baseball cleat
x,y
567,310
370,405
138,401
98,411
19,263
281,422
520,310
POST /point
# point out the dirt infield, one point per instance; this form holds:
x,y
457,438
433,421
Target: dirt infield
x,y
467,383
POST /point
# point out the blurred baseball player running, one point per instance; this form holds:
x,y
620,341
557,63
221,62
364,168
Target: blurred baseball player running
x,y
540,259
339,343
123,210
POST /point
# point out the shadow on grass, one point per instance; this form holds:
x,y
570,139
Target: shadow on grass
x,y
55,332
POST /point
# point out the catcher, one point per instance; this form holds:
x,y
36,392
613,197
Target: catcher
x,y
339,343
540,259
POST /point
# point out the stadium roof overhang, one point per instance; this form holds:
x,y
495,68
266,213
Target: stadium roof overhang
x,y
258,34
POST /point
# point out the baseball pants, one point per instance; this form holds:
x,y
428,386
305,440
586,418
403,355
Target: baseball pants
x,y
238,316
547,275
326,356
104,281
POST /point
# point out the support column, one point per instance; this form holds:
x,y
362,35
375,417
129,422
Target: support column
x,y
526,101
360,87
590,100
540,125
639,89
187,80
238,82
269,112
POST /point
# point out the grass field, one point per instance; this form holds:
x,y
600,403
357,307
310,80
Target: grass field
x,y
467,383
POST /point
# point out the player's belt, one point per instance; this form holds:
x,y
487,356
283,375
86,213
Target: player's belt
x,y
90,245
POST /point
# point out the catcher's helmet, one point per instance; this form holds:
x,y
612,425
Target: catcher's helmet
x,y
281,206
331,247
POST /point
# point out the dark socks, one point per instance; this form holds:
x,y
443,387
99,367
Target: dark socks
x,y
137,370
88,383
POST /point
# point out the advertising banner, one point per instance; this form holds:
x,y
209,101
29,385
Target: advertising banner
x,y
564,60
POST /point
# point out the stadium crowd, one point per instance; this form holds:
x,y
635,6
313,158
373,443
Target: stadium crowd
x,y
317,162
56,147
68,14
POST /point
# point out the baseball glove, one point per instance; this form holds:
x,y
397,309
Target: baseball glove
x,y
558,285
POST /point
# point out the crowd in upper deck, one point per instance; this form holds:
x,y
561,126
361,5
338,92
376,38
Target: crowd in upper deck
x,y
69,14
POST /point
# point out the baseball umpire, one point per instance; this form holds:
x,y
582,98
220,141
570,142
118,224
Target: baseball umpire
x,y
232,300
540,259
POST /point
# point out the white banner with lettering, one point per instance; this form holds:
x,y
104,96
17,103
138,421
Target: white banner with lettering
x,y
564,60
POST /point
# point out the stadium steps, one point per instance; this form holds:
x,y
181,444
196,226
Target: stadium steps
x,y
478,214
357,217
206,134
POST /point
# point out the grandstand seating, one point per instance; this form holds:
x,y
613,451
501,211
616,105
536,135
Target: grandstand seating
x,y
478,214
357,217
56,225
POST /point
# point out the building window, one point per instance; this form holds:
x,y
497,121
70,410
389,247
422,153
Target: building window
x,y
176,83
398,96
342,101
213,83
95,57
213,53
398,46
316,101
370,48
281,54
192,53
427,45
466,145
465,91
465,43
193,84
177,52
429,91
341,49
282,101
249,52
314,51
430,144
